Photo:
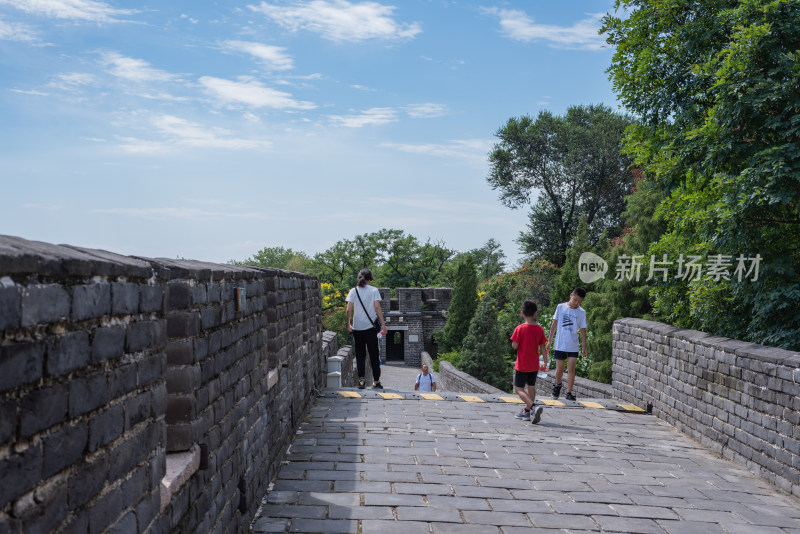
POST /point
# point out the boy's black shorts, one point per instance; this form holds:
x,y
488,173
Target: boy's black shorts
x,y
521,379
561,355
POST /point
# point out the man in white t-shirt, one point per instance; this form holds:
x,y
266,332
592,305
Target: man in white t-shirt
x,y
425,380
568,320
362,312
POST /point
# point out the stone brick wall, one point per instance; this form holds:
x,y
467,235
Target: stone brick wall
x,y
110,366
459,382
739,399
82,379
582,387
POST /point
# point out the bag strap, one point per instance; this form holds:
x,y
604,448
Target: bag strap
x,y
362,305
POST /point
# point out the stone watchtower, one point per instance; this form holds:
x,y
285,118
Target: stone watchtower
x,y
411,318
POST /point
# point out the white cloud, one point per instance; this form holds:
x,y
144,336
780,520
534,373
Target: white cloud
x,y
182,133
471,151
135,70
46,207
273,57
426,111
179,213
362,87
370,117
340,20
70,9
251,93
29,92
16,32
583,35
72,80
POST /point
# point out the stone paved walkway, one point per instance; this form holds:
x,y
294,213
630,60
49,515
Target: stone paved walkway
x,y
399,377
414,466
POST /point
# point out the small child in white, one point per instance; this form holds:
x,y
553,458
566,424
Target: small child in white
x,y
425,380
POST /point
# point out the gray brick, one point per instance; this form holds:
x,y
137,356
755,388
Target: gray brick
x,y
302,511
151,298
9,307
122,380
90,301
270,524
406,513
20,364
137,336
151,369
87,393
137,409
49,510
324,525
183,379
179,295
124,298
106,510
8,419
43,408
376,526
497,518
108,343
20,472
183,324
180,352
180,409
67,353
106,426
64,447
628,524
126,525
87,481
44,305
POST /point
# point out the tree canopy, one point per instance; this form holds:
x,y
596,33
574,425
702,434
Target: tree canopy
x,y
717,87
564,167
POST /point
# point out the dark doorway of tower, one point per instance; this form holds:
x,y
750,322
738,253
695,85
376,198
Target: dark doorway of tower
x,y
395,345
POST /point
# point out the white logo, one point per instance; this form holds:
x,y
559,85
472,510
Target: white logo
x,y
591,267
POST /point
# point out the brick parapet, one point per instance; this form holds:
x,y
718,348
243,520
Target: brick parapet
x,y
740,399
108,361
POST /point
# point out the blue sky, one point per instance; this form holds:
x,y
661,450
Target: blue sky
x,y
210,130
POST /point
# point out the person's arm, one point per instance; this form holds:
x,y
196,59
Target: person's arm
x,y
379,311
543,353
551,337
433,383
514,345
348,313
583,342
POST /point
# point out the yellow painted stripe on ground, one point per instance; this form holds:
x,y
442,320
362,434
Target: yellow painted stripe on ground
x,y
350,394
514,400
551,402
431,396
631,407
390,396
471,398
590,404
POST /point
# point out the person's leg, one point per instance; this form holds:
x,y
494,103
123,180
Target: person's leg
x,y
560,358
559,371
571,361
361,352
519,388
374,357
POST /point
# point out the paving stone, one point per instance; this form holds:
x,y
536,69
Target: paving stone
x,y
423,489
455,528
360,512
559,521
394,527
496,518
628,524
393,499
362,487
303,511
408,513
342,499
459,503
651,512
333,526
481,491
697,527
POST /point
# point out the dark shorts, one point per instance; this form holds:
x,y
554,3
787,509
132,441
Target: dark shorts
x,y
561,355
521,379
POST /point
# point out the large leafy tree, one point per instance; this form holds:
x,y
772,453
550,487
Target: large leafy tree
x,y
717,87
564,167
486,352
278,258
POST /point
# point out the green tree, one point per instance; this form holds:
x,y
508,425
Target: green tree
x,y
567,166
278,258
462,307
569,278
717,86
489,259
614,297
486,352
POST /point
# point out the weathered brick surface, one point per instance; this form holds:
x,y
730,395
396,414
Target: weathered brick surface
x,y
739,399
108,362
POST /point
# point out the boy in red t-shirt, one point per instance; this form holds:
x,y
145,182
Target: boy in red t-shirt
x,y
529,341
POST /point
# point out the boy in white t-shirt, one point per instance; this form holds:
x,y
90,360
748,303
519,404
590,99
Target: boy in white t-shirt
x,y
425,380
568,320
